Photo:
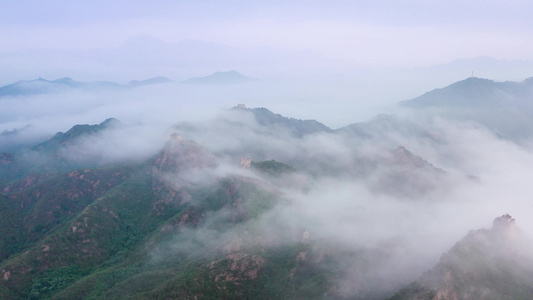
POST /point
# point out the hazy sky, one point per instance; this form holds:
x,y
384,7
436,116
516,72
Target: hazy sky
x,y
407,33
354,55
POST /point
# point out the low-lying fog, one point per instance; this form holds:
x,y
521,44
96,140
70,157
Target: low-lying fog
x,y
485,176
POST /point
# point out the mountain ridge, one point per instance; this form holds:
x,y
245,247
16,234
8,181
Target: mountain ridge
x,y
42,86
502,107
190,221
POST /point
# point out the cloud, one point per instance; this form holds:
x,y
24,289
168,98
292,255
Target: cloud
x,y
342,196
485,177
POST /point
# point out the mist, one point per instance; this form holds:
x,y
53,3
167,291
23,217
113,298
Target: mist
x,y
403,228
350,189
370,191
166,104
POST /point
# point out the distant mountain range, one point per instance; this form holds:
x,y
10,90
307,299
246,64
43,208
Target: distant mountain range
x,y
220,78
43,86
475,93
506,108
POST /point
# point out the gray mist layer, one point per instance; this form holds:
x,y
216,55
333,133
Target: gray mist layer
x,y
403,188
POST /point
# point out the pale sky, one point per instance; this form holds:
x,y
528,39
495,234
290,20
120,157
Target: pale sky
x,y
404,33
357,56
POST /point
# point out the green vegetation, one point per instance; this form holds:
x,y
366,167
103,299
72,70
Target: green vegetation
x,y
273,168
107,233
12,237
93,234
299,128
69,137
50,201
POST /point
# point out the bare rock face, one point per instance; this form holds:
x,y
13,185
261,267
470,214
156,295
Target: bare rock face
x,y
237,267
6,158
172,169
23,184
504,224
405,158
400,172
494,263
179,155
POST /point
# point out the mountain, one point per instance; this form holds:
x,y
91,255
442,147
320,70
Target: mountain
x,y
422,177
70,232
491,263
42,86
255,131
272,167
155,80
503,107
52,155
17,138
62,139
383,125
252,204
487,66
474,92
299,127
220,78
32,87
255,205
189,221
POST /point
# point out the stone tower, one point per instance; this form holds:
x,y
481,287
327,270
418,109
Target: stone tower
x,y
245,162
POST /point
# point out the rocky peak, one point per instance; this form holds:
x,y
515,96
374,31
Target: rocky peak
x,y
178,155
491,263
6,158
503,223
404,156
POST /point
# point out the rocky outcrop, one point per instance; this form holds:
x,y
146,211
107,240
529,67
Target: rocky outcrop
x,y
491,263
404,157
6,158
179,155
399,172
237,267
172,169
25,183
